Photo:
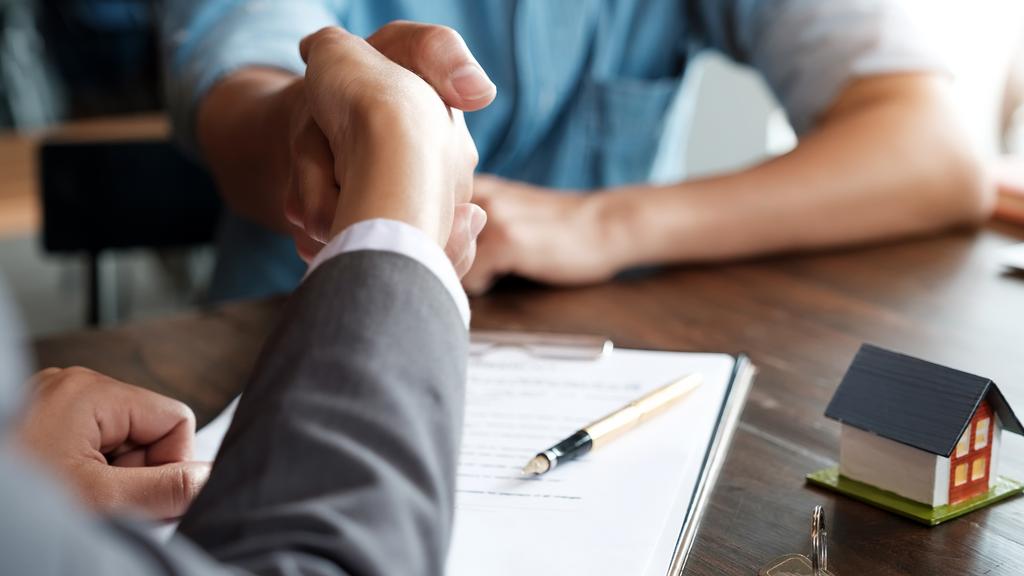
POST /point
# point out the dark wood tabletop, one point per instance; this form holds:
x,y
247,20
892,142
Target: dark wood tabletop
x,y
800,318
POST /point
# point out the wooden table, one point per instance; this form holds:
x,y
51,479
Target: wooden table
x,y
19,179
800,318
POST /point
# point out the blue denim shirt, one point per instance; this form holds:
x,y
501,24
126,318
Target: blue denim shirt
x,y
583,85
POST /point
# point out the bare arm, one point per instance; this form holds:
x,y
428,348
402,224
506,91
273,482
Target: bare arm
x,y
887,161
242,128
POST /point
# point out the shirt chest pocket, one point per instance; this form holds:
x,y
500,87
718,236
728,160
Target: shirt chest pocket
x,y
624,121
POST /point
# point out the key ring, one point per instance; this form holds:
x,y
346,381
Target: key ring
x,y
819,542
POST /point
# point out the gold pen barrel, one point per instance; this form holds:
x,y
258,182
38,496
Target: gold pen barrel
x,y
605,429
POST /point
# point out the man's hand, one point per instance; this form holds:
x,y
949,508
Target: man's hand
x,y
372,86
540,234
118,445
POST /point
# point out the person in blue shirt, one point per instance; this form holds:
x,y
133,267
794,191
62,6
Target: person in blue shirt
x,y
566,149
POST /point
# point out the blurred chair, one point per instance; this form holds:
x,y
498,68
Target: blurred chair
x,y
105,196
724,118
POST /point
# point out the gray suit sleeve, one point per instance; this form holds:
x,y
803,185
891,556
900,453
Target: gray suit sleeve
x,y
342,454
341,458
809,50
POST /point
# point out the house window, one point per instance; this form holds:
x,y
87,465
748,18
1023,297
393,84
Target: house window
x,y
978,469
960,475
981,434
964,445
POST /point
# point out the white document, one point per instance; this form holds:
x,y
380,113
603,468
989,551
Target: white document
x,y
618,510
1014,256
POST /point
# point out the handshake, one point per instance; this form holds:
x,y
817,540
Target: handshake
x,y
376,130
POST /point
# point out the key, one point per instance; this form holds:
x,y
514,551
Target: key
x,y
800,565
792,565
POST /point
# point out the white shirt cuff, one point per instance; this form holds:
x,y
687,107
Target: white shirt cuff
x,y
400,238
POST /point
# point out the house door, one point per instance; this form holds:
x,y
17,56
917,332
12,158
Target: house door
x,y
971,459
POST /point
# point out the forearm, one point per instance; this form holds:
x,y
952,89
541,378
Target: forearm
x,y
341,459
886,162
242,130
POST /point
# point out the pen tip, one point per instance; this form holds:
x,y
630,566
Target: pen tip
x,y
538,465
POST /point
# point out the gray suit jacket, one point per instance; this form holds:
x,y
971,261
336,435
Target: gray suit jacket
x,y
341,458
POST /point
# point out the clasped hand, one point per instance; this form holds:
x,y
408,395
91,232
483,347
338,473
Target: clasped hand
x,y
557,238
385,114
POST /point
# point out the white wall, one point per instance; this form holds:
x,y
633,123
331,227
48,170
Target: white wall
x,y
719,122
977,39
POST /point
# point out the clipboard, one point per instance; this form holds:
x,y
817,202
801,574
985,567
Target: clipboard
x,y
577,348
685,514
744,373
541,344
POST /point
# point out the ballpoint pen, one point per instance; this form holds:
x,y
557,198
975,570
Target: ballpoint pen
x,y
611,426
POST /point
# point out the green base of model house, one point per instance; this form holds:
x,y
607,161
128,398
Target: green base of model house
x,y
829,478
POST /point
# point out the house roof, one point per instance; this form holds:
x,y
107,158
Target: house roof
x,y
912,401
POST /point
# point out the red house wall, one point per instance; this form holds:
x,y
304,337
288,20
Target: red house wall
x,y
972,486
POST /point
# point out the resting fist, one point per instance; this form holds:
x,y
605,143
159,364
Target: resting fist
x,y
118,446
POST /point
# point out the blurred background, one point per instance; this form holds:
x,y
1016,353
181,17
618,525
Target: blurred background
x,y
83,142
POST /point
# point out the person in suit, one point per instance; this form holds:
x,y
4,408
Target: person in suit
x,y
341,457
567,151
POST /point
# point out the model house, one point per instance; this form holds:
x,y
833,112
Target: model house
x,y
928,433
